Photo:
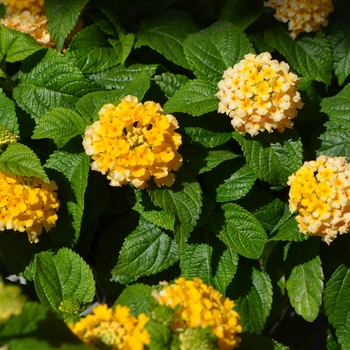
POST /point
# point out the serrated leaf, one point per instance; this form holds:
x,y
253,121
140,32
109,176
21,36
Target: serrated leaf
x,y
196,97
59,124
166,35
273,157
62,16
169,83
289,231
305,278
91,52
337,303
212,50
309,55
62,277
237,185
53,82
8,113
19,159
16,46
238,229
146,251
123,46
332,342
207,138
270,214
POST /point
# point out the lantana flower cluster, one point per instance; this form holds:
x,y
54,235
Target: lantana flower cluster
x,y
133,142
200,305
320,192
18,6
113,329
259,94
302,15
27,204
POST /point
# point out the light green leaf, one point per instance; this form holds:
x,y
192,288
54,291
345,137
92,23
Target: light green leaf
x,y
146,251
305,281
196,97
91,52
21,160
238,229
237,185
198,338
62,16
124,46
59,124
289,231
160,335
273,157
8,113
166,35
212,50
169,83
64,282
53,82
309,55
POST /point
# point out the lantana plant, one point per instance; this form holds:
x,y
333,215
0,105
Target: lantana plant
x,y
174,174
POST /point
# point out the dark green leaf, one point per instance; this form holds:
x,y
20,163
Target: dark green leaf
x,y
8,113
207,138
169,83
289,231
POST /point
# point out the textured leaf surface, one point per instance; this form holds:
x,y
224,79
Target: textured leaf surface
x,y
289,231
146,251
21,160
207,138
166,35
309,55
124,46
272,157
238,229
8,113
196,97
169,83
212,50
305,281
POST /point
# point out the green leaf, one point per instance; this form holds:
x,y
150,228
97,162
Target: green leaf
x,y
237,185
273,157
212,50
124,46
59,124
289,231
146,251
118,77
241,12
250,341
207,138
309,55
62,16
53,82
238,229
305,278
166,35
183,201
169,83
160,335
21,160
8,113
91,52
64,282
198,338
332,342
337,303
196,97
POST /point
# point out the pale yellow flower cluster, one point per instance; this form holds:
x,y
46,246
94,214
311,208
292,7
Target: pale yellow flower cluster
x,y
18,6
113,329
200,305
133,142
32,24
302,15
320,192
259,94
27,204
11,301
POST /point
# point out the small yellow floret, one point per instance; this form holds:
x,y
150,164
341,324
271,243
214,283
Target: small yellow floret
x,y
113,329
259,94
319,191
202,306
302,15
133,142
18,6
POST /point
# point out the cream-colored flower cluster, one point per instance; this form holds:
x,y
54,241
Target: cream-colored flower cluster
x,y
133,142
18,6
27,204
302,15
320,192
30,23
259,94
113,329
200,305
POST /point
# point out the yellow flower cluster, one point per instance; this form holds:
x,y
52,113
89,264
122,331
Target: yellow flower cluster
x,y
113,329
11,301
259,94
133,142
27,204
18,6
302,15
200,305
32,24
320,192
